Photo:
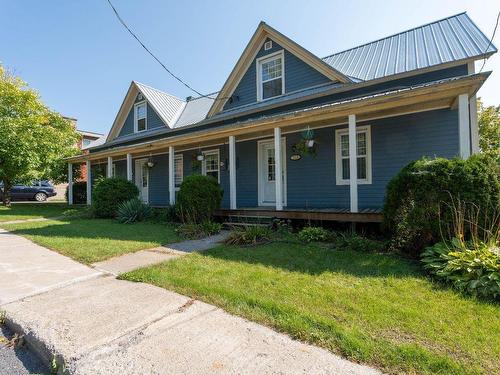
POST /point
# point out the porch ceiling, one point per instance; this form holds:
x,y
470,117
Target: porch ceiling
x,y
425,97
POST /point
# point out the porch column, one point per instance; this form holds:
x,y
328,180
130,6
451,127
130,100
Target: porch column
x,y
232,172
89,183
70,183
474,129
109,173
129,167
463,126
171,175
353,166
277,169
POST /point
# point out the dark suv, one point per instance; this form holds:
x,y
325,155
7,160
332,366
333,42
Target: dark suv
x,y
38,191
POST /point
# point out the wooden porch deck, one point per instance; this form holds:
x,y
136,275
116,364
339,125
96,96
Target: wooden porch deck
x,y
320,214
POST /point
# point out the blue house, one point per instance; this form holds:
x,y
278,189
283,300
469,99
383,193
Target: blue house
x,y
294,135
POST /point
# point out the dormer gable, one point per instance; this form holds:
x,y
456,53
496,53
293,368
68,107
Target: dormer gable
x,y
145,108
272,65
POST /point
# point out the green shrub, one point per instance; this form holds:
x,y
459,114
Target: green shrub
x,y
108,193
79,192
164,215
195,231
133,210
471,268
356,242
314,234
249,235
416,208
198,198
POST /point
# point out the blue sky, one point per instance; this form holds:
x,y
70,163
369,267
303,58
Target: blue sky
x,y
81,60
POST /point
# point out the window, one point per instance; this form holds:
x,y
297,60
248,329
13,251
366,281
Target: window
x,y
268,45
363,153
271,165
141,117
86,142
211,164
270,77
113,170
178,171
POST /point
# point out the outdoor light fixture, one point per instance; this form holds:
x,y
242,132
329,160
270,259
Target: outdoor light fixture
x,y
150,163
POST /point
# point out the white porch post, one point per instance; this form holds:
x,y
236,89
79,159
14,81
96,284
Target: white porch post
x,y
171,175
89,183
109,173
474,129
129,167
70,183
353,166
463,126
232,172
278,169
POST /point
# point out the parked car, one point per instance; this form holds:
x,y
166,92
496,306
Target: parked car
x,y
38,191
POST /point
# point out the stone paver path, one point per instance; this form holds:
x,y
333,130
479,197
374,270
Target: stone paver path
x,y
101,325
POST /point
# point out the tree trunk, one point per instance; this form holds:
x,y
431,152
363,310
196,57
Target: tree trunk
x,y
7,186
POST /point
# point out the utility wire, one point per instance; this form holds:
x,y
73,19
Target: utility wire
x,y
491,41
153,55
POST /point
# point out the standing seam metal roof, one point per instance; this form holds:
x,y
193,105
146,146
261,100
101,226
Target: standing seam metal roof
x,y
167,106
450,39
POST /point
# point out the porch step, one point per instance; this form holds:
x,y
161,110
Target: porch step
x,y
247,220
230,224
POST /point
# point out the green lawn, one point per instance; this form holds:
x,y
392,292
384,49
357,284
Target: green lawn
x,y
372,308
23,211
93,240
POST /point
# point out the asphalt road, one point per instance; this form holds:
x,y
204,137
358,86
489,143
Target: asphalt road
x,y
20,361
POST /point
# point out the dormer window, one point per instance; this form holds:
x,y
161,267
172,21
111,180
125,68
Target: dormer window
x,y
140,116
270,76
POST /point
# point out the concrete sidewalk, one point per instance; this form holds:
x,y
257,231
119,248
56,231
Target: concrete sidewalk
x,y
106,326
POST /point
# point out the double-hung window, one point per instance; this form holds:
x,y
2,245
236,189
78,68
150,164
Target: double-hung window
x,y
178,171
363,156
140,117
211,164
270,76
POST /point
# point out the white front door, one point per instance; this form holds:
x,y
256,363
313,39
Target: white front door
x,y
267,176
142,179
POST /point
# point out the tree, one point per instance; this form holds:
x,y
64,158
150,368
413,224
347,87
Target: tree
x,y
33,139
489,128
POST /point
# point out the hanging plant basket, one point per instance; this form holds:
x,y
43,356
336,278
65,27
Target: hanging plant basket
x,y
305,147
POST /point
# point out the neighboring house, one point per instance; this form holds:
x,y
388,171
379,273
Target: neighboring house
x,y
370,110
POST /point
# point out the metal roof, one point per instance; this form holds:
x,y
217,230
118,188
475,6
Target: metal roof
x,y
450,39
167,106
194,111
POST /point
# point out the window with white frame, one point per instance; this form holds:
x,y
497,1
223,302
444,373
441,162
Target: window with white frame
x,y
178,171
141,113
270,76
211,164
363,156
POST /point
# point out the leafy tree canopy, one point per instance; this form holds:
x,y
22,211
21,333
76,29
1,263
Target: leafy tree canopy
x,y
489,128
33,139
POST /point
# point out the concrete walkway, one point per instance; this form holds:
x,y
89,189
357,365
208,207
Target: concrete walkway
x,y
96,324
148,257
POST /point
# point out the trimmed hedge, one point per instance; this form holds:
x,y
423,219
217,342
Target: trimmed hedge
x,y
199,196
108,193
416,209
79,192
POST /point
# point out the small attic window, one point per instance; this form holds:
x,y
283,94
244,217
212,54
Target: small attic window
x,y
140,116
268,45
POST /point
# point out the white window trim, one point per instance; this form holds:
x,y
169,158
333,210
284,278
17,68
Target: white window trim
x,y
135,116
204,163
259,62
338,155
181,158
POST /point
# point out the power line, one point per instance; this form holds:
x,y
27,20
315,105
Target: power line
x,y
153,55
491,41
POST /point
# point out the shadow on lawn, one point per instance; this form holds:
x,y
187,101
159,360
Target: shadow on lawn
x,y
95,229
315,259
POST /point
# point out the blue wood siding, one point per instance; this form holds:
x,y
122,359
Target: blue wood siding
x,y
121,168
298,75
158,181
153,121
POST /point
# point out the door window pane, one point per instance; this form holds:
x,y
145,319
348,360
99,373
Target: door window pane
x,y
271,165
